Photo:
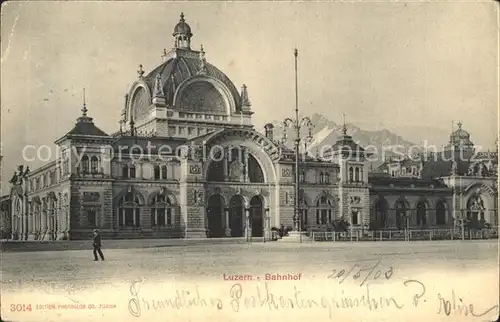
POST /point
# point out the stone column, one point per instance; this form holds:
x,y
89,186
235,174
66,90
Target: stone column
x,y
227,226
245,163
225,162
267,228
248,232
43,217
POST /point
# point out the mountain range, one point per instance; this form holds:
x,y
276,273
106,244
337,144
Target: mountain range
x,y
326,132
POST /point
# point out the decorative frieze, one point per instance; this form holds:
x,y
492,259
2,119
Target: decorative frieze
x,y
286,172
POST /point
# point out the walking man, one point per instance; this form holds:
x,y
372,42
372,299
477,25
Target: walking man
x,y
97,245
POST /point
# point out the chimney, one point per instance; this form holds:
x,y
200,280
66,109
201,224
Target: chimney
x,y
269,131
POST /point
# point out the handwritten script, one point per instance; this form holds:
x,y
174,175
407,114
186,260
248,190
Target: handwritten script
x,y
362,273
241,298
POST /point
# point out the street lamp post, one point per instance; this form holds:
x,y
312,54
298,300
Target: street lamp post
x,y
297,124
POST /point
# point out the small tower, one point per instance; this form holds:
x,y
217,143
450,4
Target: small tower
x,y
182,34
245,101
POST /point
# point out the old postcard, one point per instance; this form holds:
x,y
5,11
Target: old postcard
x,y
249,161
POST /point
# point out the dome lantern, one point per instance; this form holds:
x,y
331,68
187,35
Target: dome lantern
x,y
182,34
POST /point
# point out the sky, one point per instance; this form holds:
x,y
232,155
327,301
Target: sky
x,y
410,67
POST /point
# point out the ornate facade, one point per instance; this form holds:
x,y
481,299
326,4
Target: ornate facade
x,y
186,162
437,189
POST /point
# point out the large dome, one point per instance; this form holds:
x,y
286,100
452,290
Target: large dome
x,y
177,71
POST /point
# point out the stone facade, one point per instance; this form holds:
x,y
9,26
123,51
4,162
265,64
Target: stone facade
x,y
187,163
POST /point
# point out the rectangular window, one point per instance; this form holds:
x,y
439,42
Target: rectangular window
x,y
161,217
164,172
324,216
91,218
129,217
355,217
169,216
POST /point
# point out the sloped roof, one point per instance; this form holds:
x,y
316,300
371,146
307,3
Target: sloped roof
x,y
85,126
386,180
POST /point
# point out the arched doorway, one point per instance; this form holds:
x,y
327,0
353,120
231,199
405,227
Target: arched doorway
x,y
236,216
421,213
440,213
215,215
129,211
475,209
378,220
324,208
257,216
161,212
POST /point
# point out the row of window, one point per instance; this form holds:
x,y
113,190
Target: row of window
x,y
355,174
90,165
129,172
324,177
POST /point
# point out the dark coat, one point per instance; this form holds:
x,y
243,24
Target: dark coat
x,y
97,240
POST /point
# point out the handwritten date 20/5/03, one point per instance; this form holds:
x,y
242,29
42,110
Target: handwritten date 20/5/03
x,y
362,273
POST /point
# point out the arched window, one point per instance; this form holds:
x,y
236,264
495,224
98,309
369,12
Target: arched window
x,y
66,166
421,213
323,211
85,164
357,174
161,211
321,177
351,174
94,164
327,178
129,210
157,172
125,171
440,213
164,172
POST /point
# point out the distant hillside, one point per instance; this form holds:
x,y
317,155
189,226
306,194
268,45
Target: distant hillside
x,y
382,143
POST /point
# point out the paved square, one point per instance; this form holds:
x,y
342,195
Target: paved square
x,y
104,290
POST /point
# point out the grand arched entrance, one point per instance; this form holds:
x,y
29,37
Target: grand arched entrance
x,y
257,216
215,216
237,216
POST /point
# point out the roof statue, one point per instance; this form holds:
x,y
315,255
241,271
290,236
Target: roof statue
x,y
140,71
245,101
203,67
158,87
